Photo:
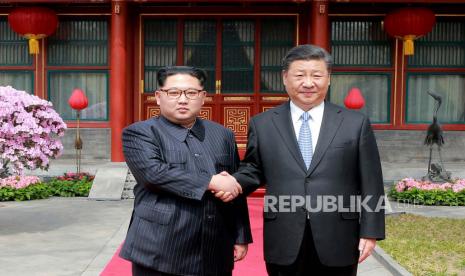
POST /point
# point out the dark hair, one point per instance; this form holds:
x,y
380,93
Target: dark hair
x,y
307,52
167,71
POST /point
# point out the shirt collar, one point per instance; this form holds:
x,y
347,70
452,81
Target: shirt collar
x,y
180,132
316,113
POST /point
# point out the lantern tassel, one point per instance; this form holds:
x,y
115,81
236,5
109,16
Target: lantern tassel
x,y
33,46
408,45
34,42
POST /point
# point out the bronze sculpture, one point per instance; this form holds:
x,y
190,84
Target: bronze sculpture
x,y
434,135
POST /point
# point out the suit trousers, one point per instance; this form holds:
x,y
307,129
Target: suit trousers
x,y
308,263
138,270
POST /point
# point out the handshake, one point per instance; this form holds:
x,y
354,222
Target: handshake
x,y
224,186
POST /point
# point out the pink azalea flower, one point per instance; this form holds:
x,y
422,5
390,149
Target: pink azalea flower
x,y
18,182
29,131
410,183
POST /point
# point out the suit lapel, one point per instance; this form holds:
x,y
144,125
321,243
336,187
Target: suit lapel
x,y
332,119
283,123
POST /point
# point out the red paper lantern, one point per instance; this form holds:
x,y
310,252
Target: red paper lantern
x,y
78,100
33,23
409,24
354,99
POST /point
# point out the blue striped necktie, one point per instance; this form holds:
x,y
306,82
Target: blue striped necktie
x,y
305,140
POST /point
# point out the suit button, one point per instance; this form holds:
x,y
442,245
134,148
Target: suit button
x,y
210,216
196,154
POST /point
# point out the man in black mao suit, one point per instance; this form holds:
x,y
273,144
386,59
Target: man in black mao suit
x,y
178,227
333,158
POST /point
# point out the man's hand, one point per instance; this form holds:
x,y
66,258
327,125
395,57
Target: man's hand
x,y
225,186
240,250
365,247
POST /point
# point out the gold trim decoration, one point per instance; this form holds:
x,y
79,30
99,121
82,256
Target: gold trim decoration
x,y
152,112
206,113
233,99
218,87
272,98
141,86
151,99
209,99
236,118
297,28
241,146
265,108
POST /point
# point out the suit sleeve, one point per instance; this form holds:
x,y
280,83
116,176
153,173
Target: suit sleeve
x,y
243,231
250,173
372,224
143,156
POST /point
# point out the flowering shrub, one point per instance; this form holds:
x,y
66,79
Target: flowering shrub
x,y
428,193
70,176
17,182
410,183
28,131
21,188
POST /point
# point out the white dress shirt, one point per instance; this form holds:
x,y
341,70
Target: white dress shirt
x,y
316,117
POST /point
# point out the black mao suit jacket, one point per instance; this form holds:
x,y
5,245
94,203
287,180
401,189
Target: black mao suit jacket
x,y
177,226
345,163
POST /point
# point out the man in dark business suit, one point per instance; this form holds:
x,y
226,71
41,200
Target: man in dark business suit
x,y
178,227
311,150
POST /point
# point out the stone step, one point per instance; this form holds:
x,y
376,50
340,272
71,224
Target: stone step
x,y
128,190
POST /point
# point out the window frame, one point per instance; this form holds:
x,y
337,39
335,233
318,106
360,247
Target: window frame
x,y
256,66
51,68
430,70
20,67
386,69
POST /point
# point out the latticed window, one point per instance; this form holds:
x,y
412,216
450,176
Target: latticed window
x,y
238,56
227,49
362,58
15,61
277,38
77,57
438,66
160,38
200,48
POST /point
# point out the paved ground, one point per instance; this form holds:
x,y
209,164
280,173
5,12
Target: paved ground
x,y
60,236
430,211
73,236
76,236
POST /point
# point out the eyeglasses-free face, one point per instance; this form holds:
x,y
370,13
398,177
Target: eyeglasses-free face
x,y
175,93
307,82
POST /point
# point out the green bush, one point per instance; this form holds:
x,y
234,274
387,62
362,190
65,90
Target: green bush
x,y
55,187
70,188
34,191
432,197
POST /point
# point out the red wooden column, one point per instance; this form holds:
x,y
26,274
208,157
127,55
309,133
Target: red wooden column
x,y
319,24
118,81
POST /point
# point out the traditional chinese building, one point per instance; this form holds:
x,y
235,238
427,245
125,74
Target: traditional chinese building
x,y
112,50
